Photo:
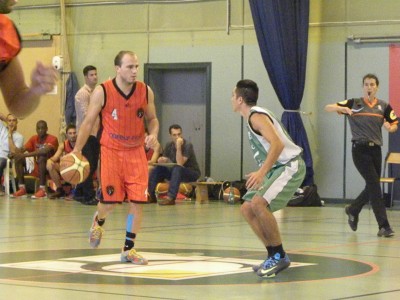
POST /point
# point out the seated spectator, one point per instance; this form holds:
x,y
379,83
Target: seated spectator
x,y
53,163
177,151
41,147
10,141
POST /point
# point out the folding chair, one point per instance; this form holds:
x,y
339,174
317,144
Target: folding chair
x,y
9,174
392,158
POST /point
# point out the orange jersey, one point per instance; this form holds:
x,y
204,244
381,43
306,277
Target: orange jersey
x,y
10,41
122,116
67,147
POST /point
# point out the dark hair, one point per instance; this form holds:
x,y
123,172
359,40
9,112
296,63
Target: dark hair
x,y
371,76
174,126
248,90
88,68
118,58
70,126
41,121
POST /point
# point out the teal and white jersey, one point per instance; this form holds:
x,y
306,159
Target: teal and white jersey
x,y
260,146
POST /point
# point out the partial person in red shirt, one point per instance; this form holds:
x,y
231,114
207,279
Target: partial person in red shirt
x,y
20,98
41,147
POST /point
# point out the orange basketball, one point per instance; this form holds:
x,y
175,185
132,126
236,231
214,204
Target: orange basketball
x,y
185,189
162,188
231,195
74,168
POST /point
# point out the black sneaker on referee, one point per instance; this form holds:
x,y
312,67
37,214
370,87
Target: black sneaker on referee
x,y
352,219
386,232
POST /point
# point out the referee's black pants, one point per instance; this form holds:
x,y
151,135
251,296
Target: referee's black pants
x,y
368,161
91,151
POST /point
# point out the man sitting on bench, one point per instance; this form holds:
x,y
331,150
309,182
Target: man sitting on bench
x,y
180,152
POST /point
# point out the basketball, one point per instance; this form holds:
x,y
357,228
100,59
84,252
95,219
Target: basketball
x,y
185,189
74,168
231,195
162,188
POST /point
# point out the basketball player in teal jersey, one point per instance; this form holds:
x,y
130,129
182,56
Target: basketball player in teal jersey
x,y
281,171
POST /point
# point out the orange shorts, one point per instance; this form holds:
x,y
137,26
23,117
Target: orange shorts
x,y
124,175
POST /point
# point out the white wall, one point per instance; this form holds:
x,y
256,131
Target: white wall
x,y
225,125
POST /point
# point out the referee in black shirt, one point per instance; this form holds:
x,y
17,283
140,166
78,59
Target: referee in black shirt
x,y
366,116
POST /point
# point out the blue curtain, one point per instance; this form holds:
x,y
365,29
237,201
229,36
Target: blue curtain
x,y
282,31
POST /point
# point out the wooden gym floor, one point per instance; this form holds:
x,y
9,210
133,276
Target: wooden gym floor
x,y
196,251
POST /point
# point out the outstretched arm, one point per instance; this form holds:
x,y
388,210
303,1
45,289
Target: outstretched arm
x,y
20,98
339,109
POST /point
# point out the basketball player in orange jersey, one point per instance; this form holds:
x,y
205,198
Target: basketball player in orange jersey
x,y
125,104
20,99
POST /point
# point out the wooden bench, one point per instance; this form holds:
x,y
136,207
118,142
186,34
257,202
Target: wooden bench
x,y
202,190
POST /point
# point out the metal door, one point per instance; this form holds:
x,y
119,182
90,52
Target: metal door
x,y
182,96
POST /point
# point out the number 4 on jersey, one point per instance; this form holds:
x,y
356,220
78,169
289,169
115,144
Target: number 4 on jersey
x,y
114,114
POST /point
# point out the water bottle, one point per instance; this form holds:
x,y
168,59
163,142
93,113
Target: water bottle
x,y
231,198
